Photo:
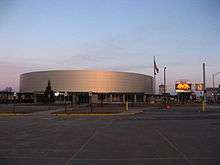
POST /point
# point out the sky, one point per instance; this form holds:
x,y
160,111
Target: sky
x,y
118,35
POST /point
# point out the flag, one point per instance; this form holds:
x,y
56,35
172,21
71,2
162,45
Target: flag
x,y
156,69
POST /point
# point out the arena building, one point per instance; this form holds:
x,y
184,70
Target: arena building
x,y
106,86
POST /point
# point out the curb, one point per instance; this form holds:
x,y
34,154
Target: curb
x,y
12,114
104,114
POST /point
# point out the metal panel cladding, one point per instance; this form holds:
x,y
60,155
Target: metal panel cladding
x,y
86,81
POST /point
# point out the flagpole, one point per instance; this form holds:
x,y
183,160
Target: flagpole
x,y
154,80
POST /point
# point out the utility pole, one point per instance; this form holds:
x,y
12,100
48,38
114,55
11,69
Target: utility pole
x,y
164,79
154,81
164,83
14,101
204,85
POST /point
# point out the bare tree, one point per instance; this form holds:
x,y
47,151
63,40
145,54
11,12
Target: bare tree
x,y
8,89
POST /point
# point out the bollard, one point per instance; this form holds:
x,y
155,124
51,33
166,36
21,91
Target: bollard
x,y
203,106
126,105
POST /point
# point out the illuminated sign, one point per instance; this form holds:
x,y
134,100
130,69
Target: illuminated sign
x,y
183,86
199,87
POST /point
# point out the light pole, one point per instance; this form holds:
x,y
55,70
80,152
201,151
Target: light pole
x,y
164,79
204,84
164,83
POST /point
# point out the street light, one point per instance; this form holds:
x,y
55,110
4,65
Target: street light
x,y
164,79
164,83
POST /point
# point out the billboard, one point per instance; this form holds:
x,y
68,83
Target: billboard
x,y
183,86
199,87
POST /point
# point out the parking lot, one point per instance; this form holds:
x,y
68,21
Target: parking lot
x,y
181,135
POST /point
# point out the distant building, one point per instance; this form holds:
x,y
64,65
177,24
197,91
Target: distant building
x,y
106,86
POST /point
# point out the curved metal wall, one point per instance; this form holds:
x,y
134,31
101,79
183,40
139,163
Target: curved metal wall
x,y
87,80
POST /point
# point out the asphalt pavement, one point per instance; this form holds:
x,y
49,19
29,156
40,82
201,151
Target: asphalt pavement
x,y
178,136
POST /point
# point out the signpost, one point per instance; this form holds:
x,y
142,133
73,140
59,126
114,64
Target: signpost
x,y
126,105
14,99
65,94
49,101
56,95
90,101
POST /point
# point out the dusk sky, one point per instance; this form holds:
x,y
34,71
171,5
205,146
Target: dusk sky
x,y
119,35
